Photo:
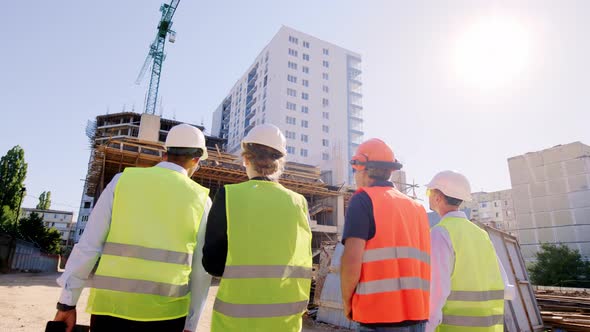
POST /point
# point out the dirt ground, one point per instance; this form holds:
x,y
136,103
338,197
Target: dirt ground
x,y
27,302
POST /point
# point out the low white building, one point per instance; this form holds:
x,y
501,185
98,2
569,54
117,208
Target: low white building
x,y
60,220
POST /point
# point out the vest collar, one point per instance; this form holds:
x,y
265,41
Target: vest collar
x,y
455,214
172,166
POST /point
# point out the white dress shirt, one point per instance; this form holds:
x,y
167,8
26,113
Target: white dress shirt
x,y
442,261
87,251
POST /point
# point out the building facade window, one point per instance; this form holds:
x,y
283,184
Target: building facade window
x,y
304,138
303,152
304,123
325,156
325,88
305,57
304,109
325,129
325,142
291,106
305,82
305,96
325,63
292,79
290,149
305,44
325,76
326,115
292,52
291,92
325,51
293,40
325,102
291,120
292,65
305,69
290,134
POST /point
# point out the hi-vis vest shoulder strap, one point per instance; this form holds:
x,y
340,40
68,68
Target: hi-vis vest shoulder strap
x,y
146,260
395,275
476,302
267,277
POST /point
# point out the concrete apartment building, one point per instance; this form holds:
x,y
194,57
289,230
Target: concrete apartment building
x,y
60,220
551,194
494,209
311,90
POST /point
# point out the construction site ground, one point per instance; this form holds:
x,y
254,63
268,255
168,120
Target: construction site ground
x,y
28,302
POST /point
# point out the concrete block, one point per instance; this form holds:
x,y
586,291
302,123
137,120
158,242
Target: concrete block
x,y
583,233
540,204
553,155
581,215
577,182
522,206
542,219
558,186
579,199
538,189
565,234
546,235
555,171
527,236
575,166
574,150
558,202
563,217
534,159
521,192
539,174
518,171
524,221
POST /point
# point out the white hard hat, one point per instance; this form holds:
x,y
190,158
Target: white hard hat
x,y
267,135
452,184
186,136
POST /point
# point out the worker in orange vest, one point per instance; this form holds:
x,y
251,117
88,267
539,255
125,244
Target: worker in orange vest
x,y
385,267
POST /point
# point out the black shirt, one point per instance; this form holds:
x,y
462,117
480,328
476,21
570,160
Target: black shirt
x,y
215,246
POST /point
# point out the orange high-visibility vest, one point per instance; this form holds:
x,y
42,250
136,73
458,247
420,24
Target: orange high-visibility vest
x,y
395,275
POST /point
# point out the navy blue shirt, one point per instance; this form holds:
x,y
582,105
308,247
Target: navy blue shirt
x,y
359,221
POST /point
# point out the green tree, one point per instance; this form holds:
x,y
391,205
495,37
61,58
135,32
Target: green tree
x,y
13,171
32,229
7,220
44,201
558,265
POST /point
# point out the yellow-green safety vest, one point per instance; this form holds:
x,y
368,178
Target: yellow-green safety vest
x,y
144,269
476,302
266,282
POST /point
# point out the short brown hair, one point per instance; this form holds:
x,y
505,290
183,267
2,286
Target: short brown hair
x,y
265,160
379,174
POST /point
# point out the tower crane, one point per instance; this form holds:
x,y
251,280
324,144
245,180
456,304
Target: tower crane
x,y
156,55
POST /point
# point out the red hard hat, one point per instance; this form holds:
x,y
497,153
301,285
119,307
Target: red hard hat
x,y
374,153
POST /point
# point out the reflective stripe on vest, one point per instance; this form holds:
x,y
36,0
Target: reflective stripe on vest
x,y
473,321
391,285
266,271
138,286
476,295
259,310
150,254
372,255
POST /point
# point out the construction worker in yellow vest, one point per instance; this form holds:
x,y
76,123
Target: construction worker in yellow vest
x,y
147,227
468,285
259,241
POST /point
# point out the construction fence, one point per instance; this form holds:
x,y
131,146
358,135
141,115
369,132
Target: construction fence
x,y
19,255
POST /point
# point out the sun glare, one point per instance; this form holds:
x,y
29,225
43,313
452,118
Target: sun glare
x,y
492,52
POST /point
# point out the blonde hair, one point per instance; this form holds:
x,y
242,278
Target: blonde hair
x,y
265,160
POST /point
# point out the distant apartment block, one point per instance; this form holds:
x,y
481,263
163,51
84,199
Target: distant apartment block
x,y
310,89
60,220
494,209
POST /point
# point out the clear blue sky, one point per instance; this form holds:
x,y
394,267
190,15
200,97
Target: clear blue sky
x,y
66,62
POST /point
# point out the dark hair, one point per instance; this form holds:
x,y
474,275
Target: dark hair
x,y
265,160
183,155
379,174
452,201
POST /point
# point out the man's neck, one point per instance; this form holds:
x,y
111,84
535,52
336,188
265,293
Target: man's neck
x,y
446,209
